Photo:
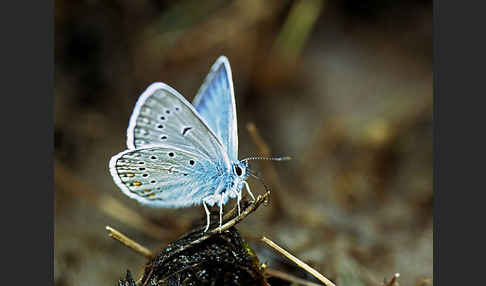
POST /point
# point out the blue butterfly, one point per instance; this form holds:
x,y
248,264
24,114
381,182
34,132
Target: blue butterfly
x,y
180,154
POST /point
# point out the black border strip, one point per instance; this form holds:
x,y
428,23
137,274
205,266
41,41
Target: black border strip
x,y
459,123
27,57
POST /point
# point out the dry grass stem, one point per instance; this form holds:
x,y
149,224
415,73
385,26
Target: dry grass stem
x,y
289,277
258,140
297,28
131,244
271,175
299,262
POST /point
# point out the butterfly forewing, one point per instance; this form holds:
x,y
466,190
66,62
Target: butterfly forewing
x,y
165,176
163,117
215,102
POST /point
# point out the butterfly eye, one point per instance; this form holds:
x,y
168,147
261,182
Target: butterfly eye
x,y
238,170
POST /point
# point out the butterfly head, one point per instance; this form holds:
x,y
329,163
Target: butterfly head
x,y
239,174
240,170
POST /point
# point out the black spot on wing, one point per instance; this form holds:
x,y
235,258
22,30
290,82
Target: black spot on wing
x,y
185,130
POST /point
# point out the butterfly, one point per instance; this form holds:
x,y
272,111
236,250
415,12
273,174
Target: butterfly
x,y
181,154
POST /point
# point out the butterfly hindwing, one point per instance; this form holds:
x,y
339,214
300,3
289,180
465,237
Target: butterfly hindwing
x,y
215,102
165,176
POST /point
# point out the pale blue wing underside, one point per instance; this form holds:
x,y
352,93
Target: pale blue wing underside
x,y
164,117
215,102
174,158
165,176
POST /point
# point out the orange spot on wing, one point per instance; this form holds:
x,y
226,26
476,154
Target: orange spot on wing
x,y
137,183
130,175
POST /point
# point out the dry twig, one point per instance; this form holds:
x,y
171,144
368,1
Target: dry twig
x,y
299,262
251,208
131,244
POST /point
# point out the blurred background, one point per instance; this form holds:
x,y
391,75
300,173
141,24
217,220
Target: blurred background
x,y
344,87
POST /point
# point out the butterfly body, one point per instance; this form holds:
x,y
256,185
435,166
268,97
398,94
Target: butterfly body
x,y
180,154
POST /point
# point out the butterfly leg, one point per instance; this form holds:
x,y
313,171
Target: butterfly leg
x,y
248,190
207,216
220,213
239,199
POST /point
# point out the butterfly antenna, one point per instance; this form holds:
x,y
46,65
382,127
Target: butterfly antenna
x,y
268,159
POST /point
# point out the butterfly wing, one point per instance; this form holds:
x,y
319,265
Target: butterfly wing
x,y
174,158
165,176
164,117
215,102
